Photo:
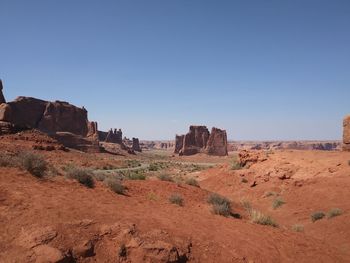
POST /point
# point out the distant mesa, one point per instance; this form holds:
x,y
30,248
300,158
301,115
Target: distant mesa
x,y
200,140
346,133
67,123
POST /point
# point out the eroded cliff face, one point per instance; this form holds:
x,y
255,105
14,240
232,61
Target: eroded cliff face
x,y
217,143
346,133
2,98
200,140
65,122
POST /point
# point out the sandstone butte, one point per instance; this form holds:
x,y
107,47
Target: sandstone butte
x,y
67,123
200,140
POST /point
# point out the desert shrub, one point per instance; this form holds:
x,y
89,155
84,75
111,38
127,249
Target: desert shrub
x,y
298,228
236,165
115,185
133,163
156,166
8,160
192,181
334,212
244,180
122,251
246,205
136,176
82,175
221,205
176,199
268,194
317,216
152,196
277,203
165,177
261,219
33,163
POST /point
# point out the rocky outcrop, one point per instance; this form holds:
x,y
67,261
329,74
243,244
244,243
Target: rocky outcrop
x,y
2,98
63,121
179,142
346,133
217,142
114,136
136,145
199,140
247,158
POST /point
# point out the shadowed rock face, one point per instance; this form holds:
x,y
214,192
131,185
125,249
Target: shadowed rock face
x,y
49,117
198,140
65,122
346,133
136,145
217,142
2,98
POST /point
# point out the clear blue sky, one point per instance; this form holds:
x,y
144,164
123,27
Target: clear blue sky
x,y
259,69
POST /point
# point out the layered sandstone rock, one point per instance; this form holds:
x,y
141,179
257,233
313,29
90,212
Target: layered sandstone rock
x,y
114,136
65,122
199,140
136,145
346,133
217,142
2,98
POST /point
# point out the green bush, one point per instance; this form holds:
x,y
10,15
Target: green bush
x,y
236,165
334,212
192,181
246,205
33,163
277,203
221,205
176,199
165,177
115,185
259,218
317,216
82,175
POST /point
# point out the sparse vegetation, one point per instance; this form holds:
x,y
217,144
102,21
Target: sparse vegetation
x,y
261,219
298,228
156,166
82,175
246,205
33,163
268,194
244,180
334,212
122,251
165,177
115,185
277,202
152,196
136,176
221,205
192,181
317,216
235,165
176,199
8,160
133,163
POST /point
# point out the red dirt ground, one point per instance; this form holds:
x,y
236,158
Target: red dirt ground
x,y
59,220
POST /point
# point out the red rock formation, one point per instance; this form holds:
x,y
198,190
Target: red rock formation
x,y
136,145
2,98
198,139
217,143
115,136
251,157
93,130
346,133
179,142
63,121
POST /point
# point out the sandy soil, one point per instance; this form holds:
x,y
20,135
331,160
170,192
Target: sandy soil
x,y
59,220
